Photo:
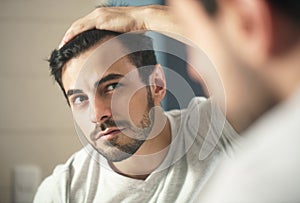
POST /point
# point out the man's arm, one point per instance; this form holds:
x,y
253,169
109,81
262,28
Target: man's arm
x,y
125,19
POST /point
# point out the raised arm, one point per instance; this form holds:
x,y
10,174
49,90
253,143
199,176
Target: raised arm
x,y
124,19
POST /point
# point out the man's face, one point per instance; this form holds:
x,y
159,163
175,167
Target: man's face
x,y
110,105
236,40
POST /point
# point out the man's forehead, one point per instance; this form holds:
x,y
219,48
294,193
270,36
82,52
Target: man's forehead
x,y
87,76
106,48
100,68
96,58
108,56
107,53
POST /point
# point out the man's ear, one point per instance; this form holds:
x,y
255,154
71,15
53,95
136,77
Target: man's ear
x,y
158,84
247,26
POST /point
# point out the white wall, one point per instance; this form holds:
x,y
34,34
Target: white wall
x,y
35,123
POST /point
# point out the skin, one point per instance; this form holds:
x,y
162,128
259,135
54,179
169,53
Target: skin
x,y
110,108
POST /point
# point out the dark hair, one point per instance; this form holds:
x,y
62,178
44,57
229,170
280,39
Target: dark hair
x,y
290,8
210,6
88,39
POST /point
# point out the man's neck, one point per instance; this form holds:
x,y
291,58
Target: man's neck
x,y
150,155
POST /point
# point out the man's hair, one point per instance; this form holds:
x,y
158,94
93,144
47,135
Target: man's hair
x,y
88,39
290,8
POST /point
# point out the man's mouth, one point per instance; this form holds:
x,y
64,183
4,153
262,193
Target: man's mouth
x,y
108,133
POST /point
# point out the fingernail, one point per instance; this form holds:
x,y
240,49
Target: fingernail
x,y
61,45
64,40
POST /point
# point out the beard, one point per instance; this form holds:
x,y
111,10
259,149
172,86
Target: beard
x,y
124,145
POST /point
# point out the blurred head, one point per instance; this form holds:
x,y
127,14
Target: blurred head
x,y
254,45
111,104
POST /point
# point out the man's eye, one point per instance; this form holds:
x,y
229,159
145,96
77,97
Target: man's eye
x,y
112,86
78,100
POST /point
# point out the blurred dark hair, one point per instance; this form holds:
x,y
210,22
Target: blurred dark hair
x,y
88,39
290,8
211,6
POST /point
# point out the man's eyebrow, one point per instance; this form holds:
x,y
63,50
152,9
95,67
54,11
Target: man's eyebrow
x,y
73,91
99,82
109,77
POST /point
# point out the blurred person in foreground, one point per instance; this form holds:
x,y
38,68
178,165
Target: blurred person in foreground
x,y
134,151
255,45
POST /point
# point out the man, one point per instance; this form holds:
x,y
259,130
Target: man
x,y
255,44
135,151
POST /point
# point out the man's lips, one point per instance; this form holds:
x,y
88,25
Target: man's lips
x,y
108,133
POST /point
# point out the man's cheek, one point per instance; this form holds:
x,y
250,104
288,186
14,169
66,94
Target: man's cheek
x,y
84,122
120,105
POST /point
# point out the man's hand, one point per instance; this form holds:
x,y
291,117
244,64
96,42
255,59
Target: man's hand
x,y
124,19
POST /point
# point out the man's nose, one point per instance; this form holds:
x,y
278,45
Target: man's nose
x,y
100,110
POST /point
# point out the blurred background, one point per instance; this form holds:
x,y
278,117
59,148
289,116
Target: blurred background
x,y
36,127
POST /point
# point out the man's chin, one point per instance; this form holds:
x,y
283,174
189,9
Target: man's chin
x,y
115,156
115,152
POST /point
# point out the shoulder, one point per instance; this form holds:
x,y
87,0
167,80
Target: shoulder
x,y
195,104
55,187
74,164
204,124
197,113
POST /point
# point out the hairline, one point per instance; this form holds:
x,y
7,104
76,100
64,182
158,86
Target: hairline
x,y
95,46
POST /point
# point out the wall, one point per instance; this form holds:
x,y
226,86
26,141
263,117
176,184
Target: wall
x,y
35,124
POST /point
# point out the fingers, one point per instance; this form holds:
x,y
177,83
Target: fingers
x,y
123,19
83,24
76,28
73,31
114,18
